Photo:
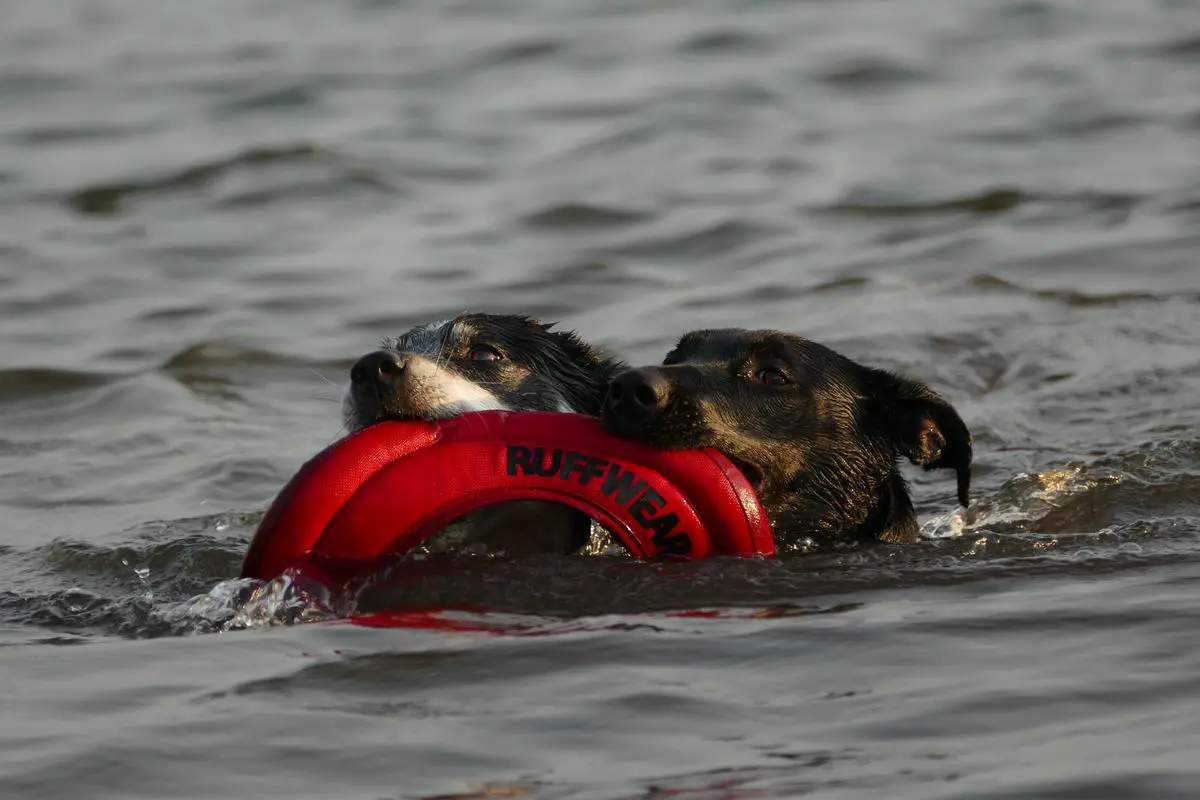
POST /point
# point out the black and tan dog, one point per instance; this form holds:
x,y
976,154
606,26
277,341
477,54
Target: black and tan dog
x,y
819,435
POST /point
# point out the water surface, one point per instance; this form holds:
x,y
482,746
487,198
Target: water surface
x,y
207,211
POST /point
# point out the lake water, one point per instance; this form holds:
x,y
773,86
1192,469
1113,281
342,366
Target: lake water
x,y
208,210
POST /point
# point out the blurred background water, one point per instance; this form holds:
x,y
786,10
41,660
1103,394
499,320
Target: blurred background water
x,y
208,210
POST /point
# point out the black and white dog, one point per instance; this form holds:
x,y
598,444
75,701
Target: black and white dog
x,y
483,362
819,435
477,362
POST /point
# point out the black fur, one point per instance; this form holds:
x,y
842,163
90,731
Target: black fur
x,y
534,368
474,362
542,366
822,446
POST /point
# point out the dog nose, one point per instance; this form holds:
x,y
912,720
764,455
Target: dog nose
x,y
639,390
383,366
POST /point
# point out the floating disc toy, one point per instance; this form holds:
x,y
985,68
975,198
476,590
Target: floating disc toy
x,y
383,490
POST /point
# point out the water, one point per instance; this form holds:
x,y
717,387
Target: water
x,y
208,210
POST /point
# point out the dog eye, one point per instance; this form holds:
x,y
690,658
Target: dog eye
x,y
773,377
485,353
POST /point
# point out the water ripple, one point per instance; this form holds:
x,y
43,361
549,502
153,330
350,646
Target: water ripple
x,y
581,215
109,198
1000,200
19,384
997,197
869,74
992,283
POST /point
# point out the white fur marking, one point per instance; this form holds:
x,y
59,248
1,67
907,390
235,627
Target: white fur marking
x,y
445,394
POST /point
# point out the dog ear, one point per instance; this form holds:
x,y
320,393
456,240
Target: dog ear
x,y
583,354
923,427
584,373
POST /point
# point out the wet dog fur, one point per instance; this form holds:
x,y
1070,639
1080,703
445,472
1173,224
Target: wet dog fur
x,y
477,362
819,435
481,362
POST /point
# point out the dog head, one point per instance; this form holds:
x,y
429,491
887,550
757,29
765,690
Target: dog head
x,y
816,433
476,362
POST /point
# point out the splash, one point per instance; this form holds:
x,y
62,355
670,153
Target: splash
x,y
245,603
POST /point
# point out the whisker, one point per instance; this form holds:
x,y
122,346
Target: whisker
x,y
471,420
343,430
317,372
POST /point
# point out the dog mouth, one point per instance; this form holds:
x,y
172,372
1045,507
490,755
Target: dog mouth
x,y
752,472
646,432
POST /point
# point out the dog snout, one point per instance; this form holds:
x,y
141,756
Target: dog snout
x,y
639,391
383,368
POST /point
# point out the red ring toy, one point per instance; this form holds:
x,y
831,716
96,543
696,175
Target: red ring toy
x,y
381,491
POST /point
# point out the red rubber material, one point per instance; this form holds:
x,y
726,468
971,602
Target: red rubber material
x,y
381,491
